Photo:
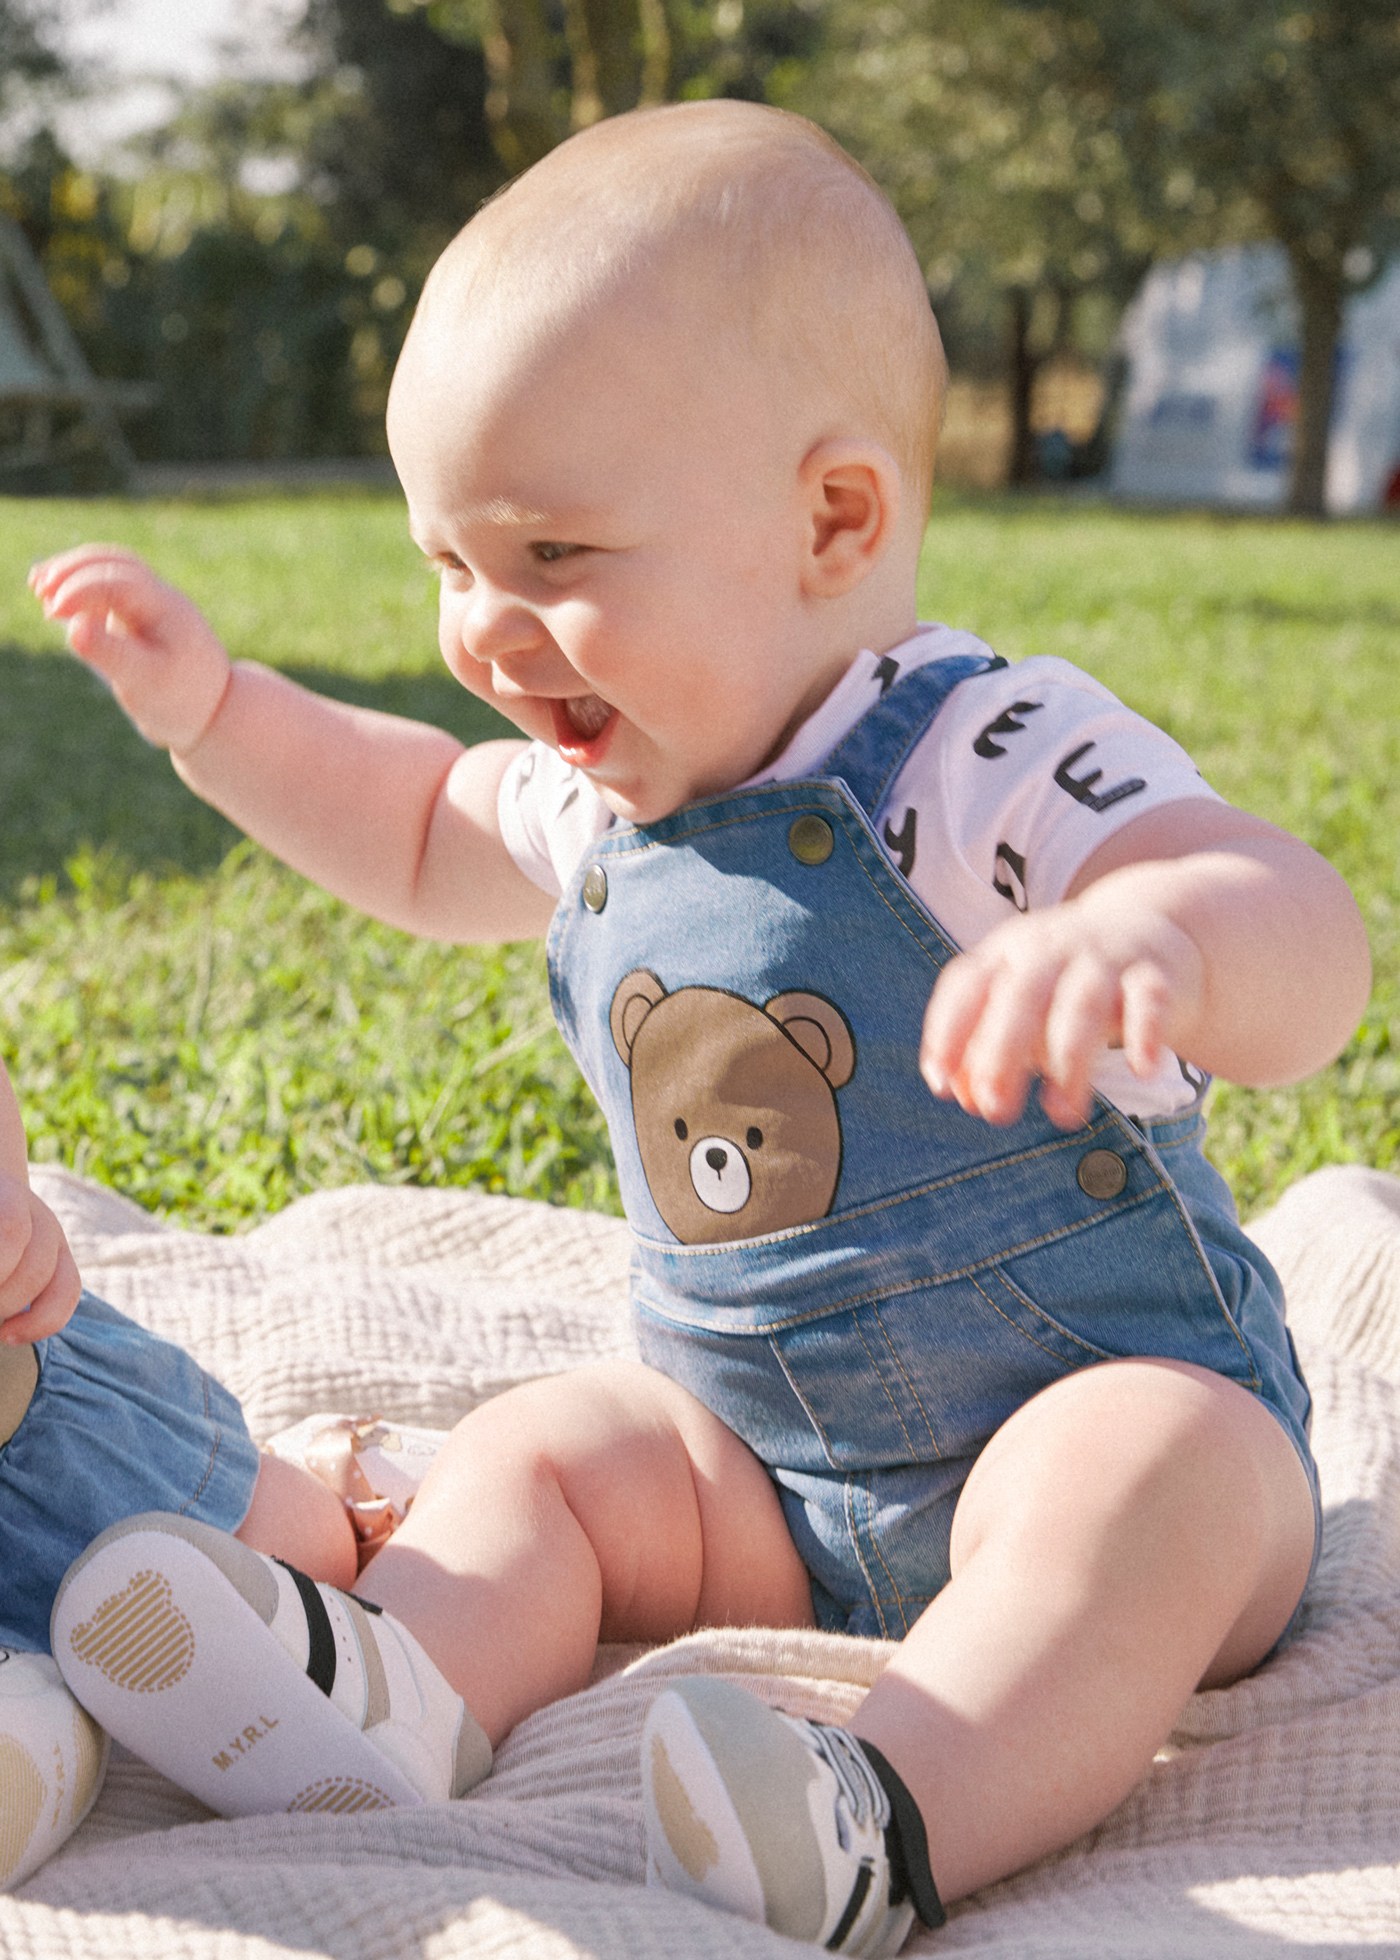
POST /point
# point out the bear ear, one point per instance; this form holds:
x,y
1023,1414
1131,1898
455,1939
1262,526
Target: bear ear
x,y
820,1030
637,993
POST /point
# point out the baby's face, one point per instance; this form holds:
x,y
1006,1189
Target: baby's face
x,y
617,523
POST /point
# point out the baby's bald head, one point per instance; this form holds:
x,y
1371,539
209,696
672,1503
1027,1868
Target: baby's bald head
x,y
755,223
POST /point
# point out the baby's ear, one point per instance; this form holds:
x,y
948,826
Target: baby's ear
x,y
851,502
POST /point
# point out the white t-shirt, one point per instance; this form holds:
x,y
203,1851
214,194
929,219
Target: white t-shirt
x,y
1023,774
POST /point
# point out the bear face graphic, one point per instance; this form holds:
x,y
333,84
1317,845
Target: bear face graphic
x,y
734,1104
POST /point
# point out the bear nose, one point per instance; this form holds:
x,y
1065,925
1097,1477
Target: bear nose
x,y
719,1172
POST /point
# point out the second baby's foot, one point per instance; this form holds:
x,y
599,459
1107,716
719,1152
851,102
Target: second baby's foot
x,y
250,1685
374,1467
52,1759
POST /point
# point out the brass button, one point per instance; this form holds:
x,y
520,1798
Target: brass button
x,y
595,888
1102,1174
811,840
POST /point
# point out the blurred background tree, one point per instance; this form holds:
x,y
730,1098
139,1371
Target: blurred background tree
x,y
1287,114
258,256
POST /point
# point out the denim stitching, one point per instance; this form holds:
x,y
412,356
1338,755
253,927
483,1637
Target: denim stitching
x,y
875,1370
852,1484
909,1383
1091,1351
894,1292
214,1449
805,1405
1076,1140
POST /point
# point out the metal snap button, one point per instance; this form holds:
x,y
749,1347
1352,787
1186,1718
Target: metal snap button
x,y
595,888
1102,1174
811,840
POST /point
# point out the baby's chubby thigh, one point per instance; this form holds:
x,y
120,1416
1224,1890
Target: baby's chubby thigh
x,y
609,1492
1173,1489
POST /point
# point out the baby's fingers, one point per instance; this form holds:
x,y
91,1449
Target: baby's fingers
x,y
1083,1017
949,1020
41,1284
988,1017
1147,1001
113,588
49,573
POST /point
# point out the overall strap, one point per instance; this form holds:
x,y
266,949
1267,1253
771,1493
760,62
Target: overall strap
x,y
871,755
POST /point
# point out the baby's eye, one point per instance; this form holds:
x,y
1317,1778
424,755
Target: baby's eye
x,y
549,551
447,561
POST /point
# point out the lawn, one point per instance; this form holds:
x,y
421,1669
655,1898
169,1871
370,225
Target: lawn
x,y
198,1028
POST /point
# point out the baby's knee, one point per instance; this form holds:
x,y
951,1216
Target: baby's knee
x,y
1129,1447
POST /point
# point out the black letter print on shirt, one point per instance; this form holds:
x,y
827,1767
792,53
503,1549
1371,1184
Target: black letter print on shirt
x,y
902,841
1005,724
1081,788
1009,876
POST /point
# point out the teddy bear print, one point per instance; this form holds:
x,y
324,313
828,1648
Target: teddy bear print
x,y
734,1104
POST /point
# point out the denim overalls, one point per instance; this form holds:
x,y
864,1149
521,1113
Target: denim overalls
x,y
862,1281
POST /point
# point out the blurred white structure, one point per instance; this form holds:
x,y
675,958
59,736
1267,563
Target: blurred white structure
x,y
1211,344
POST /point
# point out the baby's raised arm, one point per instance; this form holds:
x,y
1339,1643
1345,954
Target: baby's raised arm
x,y
394,816
1198,929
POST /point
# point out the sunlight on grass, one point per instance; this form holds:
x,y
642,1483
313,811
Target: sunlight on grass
x,y
197,1027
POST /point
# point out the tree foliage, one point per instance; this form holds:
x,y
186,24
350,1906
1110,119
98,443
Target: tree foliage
x,y
1287,112
990,130
27,52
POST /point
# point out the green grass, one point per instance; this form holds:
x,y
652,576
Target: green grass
x,y
200,1029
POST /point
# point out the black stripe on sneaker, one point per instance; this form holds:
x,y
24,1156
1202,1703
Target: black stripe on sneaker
x,y
320,1659
906,1841
853,1906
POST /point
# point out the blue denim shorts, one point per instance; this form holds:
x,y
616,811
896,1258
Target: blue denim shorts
x,y
121,1422
870,1411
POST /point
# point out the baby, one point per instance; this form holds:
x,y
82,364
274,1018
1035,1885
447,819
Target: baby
x,y
100,1419
899,973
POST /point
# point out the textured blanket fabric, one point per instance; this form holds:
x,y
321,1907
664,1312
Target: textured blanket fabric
x,y
1270,1826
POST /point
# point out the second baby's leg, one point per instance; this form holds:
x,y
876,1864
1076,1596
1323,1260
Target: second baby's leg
x,y
295,1517
602,1504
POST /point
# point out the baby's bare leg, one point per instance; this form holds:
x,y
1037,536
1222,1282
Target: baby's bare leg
x,y
1136,1531
602,1504
295,1517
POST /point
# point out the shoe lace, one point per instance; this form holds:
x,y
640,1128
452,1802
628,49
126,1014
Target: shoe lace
x,y
861,1789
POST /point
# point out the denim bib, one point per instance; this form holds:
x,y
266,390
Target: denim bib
x,y
863,1281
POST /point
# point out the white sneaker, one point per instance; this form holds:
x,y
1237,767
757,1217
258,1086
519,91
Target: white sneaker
x,y
250,1685
52,1760
781,1820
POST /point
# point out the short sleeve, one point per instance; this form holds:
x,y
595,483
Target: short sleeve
x,y
1025,774
550,815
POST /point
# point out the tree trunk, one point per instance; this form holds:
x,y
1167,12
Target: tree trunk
x,y
1319,291
620,54
521,53
1024,364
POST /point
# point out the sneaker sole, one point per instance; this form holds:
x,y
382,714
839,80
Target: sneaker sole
x,y
696,1838
158,1639
52,1760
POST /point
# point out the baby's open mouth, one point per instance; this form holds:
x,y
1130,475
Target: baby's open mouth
x,y
587,715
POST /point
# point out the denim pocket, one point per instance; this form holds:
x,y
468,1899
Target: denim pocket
x,y
1135,1284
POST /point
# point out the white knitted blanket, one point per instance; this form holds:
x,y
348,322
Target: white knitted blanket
x,y
1270,1826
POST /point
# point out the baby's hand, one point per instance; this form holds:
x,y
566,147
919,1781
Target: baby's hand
x,y
151,644
1046,993
39,1284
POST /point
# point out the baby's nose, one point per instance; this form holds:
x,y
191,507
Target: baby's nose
x,y
495,625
